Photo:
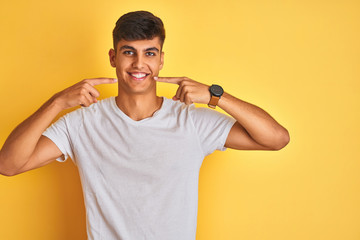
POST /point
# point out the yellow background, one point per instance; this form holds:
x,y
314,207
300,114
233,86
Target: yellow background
x,y
298,60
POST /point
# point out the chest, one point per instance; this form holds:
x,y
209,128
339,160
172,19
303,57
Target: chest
x,y
150,152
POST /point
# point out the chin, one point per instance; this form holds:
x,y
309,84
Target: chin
x,y
142,89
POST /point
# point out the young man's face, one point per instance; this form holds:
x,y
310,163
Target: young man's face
x,y
137,63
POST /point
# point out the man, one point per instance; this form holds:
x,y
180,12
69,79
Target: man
x,y
138,154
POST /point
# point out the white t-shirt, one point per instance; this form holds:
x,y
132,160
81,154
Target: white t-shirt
x,y
140,178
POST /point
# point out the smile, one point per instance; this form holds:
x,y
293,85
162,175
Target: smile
x,y
138,75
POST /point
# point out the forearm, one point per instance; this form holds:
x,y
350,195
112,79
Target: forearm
x,y
21,143
261,127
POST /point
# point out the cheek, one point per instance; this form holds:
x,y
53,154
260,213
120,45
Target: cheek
x,y
120,67
155,67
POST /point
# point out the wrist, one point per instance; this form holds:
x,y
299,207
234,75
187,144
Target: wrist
x,y
216,93
56,103
222,101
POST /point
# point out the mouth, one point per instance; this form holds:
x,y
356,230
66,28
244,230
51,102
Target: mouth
x,y
138,76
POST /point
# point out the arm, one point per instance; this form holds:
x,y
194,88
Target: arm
x,y
21,143
254,128
26,148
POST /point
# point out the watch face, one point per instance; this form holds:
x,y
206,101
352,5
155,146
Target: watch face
x,y
216,90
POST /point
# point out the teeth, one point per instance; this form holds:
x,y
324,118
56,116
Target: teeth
x,y
138,75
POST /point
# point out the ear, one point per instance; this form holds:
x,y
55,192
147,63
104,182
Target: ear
x,y
112,57
161,60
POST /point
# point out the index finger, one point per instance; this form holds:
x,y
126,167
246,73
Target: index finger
x,y
174,80
97,81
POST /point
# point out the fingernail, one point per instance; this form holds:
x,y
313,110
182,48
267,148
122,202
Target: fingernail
x,y
115,80
155,78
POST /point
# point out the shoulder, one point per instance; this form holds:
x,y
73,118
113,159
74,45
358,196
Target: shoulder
x,y
177,108
192,111
92,110
170,104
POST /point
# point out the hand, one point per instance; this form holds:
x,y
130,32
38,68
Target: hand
x,y
82,93
189,91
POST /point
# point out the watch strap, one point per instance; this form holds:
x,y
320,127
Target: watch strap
x,y
213,101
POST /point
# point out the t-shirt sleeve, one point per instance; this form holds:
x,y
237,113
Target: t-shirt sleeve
x,y
62,134
212,128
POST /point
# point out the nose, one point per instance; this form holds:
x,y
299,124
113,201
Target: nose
x,y
138,62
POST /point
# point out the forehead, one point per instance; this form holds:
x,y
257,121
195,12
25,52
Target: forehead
x,y
140,45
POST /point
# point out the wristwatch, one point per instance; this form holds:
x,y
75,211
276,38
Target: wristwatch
x,y
216,92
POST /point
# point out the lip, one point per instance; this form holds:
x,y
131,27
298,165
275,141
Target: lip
x,y
138,79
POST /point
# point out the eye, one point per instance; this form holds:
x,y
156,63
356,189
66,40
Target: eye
x,y
129,53
151,54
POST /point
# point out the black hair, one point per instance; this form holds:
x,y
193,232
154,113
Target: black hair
x,y
138,25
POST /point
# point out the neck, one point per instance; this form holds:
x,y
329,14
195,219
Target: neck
x,y
138,106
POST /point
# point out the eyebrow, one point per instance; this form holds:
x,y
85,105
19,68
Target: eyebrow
x,y
132,48
152,49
